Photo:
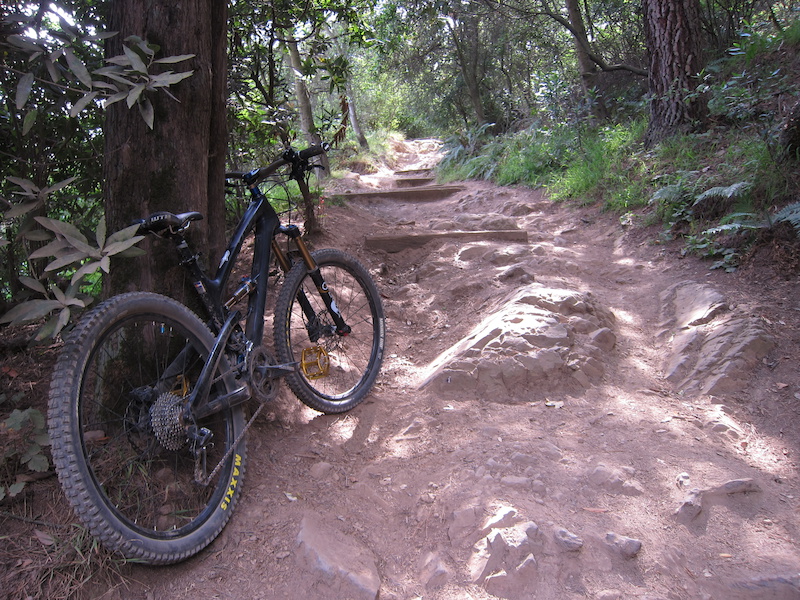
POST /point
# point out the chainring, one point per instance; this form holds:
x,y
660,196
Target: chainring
x,y
262,387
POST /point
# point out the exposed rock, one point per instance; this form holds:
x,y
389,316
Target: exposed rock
x,y
526,343
433,571
343,563
627,547
614,481
567,540
692,505
714,349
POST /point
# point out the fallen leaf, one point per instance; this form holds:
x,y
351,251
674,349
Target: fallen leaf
x,y
9,371
781,386
45,538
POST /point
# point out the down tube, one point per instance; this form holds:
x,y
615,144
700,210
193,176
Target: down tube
x,y
265,231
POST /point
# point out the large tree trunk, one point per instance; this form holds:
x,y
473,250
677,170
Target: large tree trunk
x,y
588,68
672,29
180,164
464,32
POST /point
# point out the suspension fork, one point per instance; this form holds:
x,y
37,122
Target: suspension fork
x,y
293,232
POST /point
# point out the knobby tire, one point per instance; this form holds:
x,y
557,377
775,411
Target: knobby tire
x,y
132,493
355,359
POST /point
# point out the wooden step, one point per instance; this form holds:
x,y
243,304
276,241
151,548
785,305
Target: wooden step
x,y
398,243
406,182
414,173
428,193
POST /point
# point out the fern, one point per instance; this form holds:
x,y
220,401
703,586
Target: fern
x,y
723,192
790,214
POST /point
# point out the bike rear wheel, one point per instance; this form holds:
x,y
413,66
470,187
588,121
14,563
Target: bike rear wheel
x,y
118,443
335,372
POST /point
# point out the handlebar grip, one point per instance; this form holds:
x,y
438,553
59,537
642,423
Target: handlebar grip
x,y
314,150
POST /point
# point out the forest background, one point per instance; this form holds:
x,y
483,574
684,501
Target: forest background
x,y
678,113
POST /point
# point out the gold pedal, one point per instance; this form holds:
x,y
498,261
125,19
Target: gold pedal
x,y
315,362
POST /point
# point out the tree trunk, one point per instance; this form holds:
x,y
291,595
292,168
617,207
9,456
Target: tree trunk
x,y
309,130
672,30
587,66
465,36
354,122
179,165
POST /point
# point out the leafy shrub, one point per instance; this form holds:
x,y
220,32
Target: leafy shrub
x,y
23,436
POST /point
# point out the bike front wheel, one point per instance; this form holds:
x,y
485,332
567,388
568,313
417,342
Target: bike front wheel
x,y
119,442
335,372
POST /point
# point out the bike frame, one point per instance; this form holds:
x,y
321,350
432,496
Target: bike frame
x,y
262,217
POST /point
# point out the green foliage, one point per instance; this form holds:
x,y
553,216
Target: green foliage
x,y
790,214
74,258
23,436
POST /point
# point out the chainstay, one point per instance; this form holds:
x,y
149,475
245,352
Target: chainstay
x,y
197,466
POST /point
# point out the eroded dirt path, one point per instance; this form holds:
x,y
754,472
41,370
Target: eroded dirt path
x,y
483,485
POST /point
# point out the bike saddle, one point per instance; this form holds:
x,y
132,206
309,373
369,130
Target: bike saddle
x,y
161,221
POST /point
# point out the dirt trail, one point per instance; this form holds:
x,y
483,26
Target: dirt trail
x,y
600,479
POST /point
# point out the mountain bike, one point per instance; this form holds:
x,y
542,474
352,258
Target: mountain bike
x,y
149,404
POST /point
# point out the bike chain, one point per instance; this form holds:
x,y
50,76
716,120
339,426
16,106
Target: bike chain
x,y
197,462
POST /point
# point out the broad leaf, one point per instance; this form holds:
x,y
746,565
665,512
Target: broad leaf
x,y
57,186
105,263
33,284
24,43
100,233
116,98
16,488
82,103
85,270
30,311
136,62
54,248
25,184
24,89
78,68
38,463
117,247
64,260
134,94
123,234
55,75
146,110
170,60
66,229
28,121
169,78
58,293
22,208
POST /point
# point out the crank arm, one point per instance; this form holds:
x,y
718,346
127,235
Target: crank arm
x,y
275,371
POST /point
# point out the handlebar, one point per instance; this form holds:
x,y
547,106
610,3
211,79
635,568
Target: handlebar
x,y
298,160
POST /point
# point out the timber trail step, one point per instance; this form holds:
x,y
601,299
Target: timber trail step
x,y
419,186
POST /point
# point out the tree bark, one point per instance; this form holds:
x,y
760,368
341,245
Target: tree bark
x,y
179,165
311,224
672,30
354,122
587,66
464,32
